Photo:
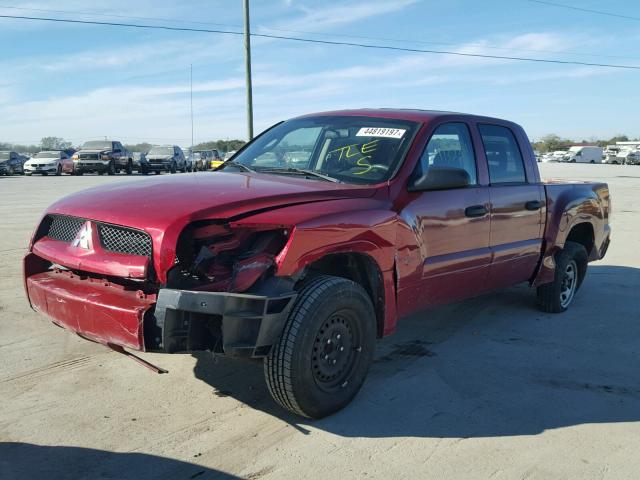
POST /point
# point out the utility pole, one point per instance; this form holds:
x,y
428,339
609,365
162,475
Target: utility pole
x,y
247,65
191,80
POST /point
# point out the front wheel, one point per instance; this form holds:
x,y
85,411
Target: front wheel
x,y
59,170
129,169
174,168
571,268
111,169
323,355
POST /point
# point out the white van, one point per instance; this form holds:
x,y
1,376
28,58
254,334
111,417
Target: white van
x,y
579,154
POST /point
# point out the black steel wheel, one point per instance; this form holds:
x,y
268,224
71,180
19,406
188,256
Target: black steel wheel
x,y
325,350
571,268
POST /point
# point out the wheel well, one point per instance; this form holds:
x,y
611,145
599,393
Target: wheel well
x,y
359,268
582,234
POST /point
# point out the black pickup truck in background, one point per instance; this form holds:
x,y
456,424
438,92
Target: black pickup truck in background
x,y
102,156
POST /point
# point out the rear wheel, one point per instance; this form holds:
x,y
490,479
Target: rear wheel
x,y
571,268
323,355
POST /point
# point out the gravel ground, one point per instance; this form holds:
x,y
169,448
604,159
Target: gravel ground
x,y
485,388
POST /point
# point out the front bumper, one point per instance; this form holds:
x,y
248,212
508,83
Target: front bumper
x,y
172,321
157,166
231,323
44,169
90,166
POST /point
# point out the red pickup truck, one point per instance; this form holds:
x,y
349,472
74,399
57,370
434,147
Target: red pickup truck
x,y
312,241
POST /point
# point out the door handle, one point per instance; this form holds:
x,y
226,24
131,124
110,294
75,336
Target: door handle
x,y
475,211
533,205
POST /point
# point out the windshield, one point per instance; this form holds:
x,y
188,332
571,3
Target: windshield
x,y
97,145
161,151
351,149
47,155
4,155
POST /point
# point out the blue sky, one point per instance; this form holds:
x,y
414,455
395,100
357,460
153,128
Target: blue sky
x,y
83,82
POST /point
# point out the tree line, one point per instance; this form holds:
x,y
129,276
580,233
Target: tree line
x,y
553,142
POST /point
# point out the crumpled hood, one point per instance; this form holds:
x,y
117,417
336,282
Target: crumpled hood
x,y
163,206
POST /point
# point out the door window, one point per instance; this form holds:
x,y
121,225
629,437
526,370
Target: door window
x,y
450,146
503,155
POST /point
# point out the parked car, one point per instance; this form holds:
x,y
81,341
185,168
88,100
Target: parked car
x,y
139,158
584,154
102,156
393,213
11,163
228,155
199,161
216,160
610,154
55,162
629,157
168,158
189,160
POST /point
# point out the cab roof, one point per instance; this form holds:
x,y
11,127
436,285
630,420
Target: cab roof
x,y
410,114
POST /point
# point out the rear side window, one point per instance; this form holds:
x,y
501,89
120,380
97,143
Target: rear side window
x,y
450,146
503,155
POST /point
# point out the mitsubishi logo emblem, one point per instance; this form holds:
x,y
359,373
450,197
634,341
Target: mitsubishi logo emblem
x,y
83,238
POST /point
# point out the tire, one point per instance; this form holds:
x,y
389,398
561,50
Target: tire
x,y
330,314
571,268
111,169
144,170
129,169
174,168
59,170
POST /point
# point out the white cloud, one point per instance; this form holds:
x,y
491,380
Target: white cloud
x,y
329,16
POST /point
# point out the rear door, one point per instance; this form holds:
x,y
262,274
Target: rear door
x,y
517,207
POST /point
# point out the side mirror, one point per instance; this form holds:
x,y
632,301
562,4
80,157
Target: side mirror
x,y
440,178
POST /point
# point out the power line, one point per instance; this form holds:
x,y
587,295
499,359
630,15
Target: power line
x,y
306,32
587,10
326,42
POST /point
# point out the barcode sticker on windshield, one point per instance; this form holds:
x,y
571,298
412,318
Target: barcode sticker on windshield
x,y
381,132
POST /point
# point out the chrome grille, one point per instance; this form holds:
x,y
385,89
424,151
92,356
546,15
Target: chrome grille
x,y
64,228
124,240
88,156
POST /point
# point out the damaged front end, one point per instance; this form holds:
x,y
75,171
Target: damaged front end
x,y
221,293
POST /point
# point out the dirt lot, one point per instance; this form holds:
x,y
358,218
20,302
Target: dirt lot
x,y
486,388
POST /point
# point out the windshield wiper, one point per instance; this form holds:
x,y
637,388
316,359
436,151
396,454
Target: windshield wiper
x,y
300,171
233,163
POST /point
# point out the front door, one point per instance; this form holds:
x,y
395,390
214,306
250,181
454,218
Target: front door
x,y
452,227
